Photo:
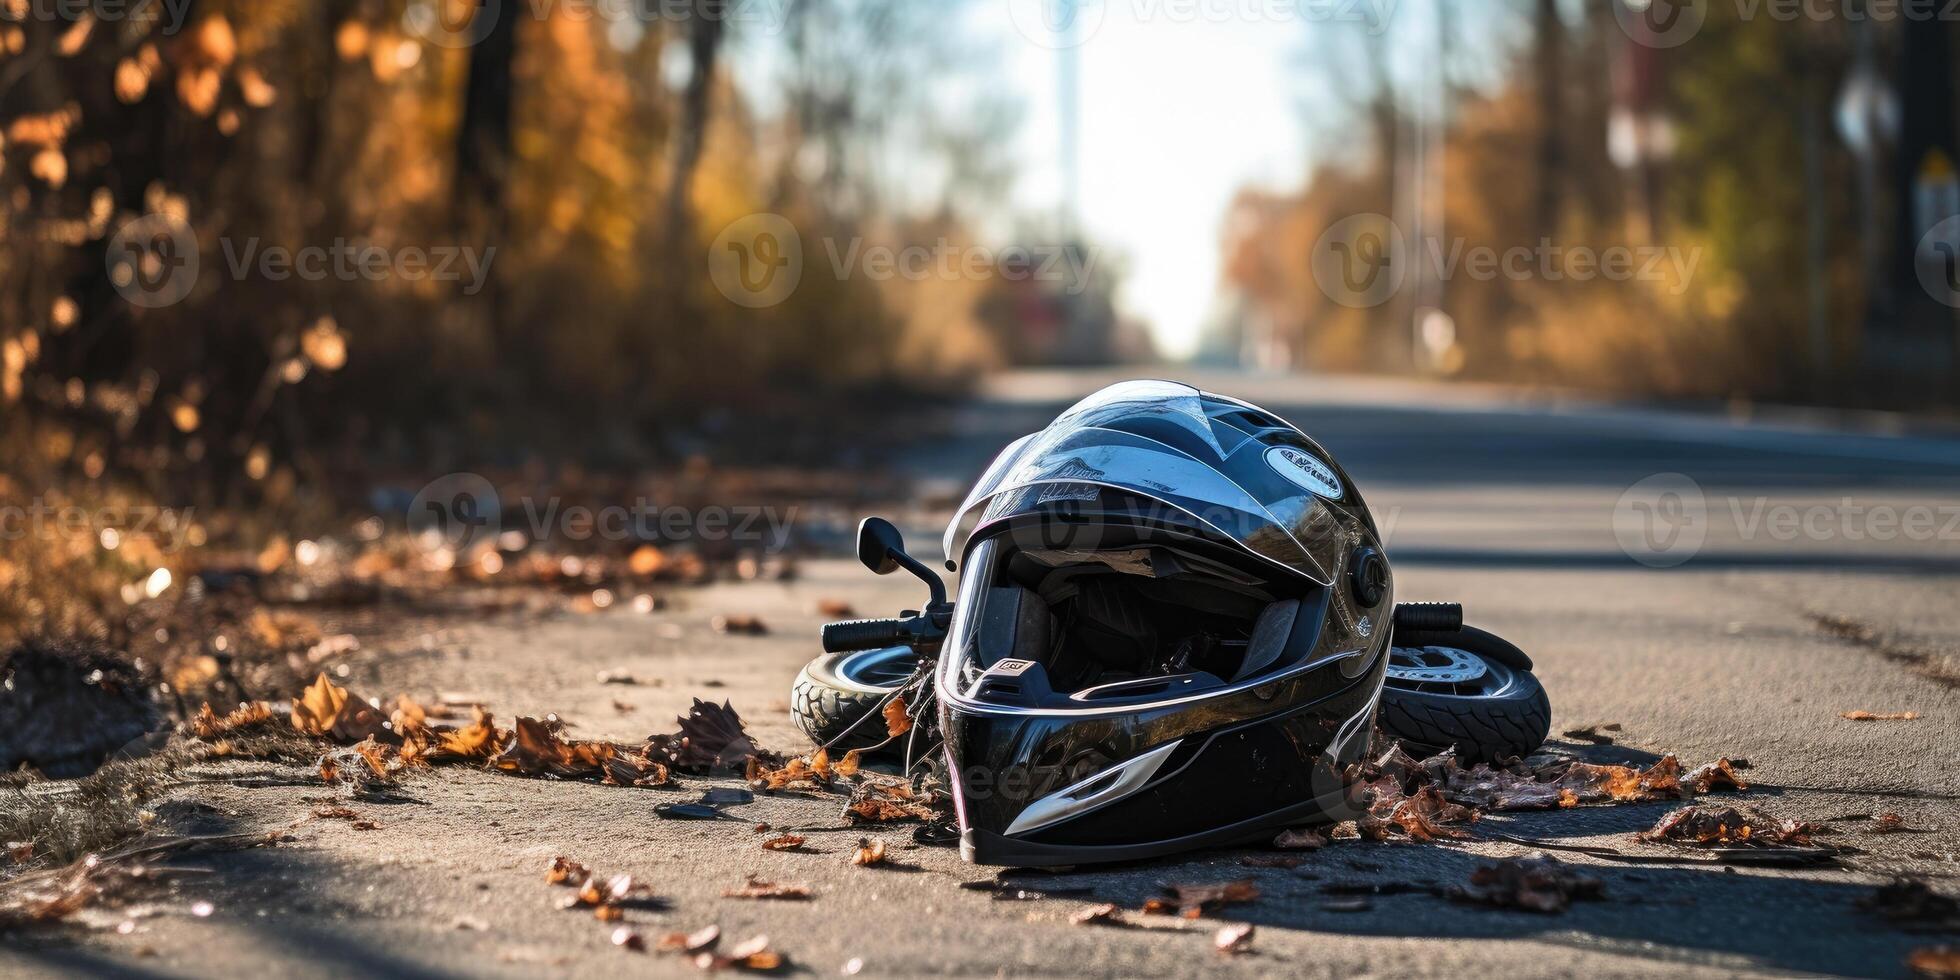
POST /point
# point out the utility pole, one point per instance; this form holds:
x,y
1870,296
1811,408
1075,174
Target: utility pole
x,y
1068,106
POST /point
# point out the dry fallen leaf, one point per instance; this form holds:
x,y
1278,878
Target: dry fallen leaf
x,y
1299,839
1425,815
740,624
836,609
869,852
710,737
1538,884
1892,823
1738,825
897,721
1234,938
326,710
1593,733
208,726
690,942
1935,962
1715,776
787,842
1271,861
1099,915
757,888
752,954
1194,900
565,871
1879,716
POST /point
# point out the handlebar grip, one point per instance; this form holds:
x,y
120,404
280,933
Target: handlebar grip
x,y
864,634
1429,617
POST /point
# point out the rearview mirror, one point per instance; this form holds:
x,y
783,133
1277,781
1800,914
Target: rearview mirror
x,y
879,545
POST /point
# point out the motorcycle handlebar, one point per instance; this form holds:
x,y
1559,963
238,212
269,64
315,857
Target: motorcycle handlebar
x,y
865,634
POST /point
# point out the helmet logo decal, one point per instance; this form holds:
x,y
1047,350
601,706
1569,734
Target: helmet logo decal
x,y
1067,491
1305,471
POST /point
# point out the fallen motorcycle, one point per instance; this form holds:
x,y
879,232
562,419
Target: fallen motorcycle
x,y
1448,685
1173,630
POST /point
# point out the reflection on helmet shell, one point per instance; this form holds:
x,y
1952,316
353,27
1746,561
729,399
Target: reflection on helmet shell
x,y
1201,454
1156,644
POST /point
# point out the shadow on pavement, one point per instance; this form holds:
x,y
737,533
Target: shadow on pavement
x,y
1656,912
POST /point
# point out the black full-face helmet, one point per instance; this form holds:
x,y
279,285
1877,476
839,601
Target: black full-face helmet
x,y
1171,632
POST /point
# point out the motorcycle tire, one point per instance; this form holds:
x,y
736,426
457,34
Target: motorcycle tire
x,y
834,691
1469,690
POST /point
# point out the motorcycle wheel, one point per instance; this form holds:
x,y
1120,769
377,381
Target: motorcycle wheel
x,y
834,691
1472,691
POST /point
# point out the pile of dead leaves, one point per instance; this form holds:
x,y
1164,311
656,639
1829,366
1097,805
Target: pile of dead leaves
x,y
1542,783
538,748
880,801
376,748
607,897
701,948
1737,825
1536,884
816,772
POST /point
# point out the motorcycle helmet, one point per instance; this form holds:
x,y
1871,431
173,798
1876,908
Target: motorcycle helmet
x,y
1171,632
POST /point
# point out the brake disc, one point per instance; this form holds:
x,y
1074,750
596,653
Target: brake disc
x,y
1434,665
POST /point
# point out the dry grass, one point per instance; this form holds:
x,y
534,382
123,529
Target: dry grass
x,y
63,820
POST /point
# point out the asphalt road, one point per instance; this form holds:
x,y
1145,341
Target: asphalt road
x,y
1715,586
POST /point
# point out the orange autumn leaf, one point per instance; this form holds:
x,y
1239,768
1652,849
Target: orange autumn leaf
x,y
897,721
869,852
326,710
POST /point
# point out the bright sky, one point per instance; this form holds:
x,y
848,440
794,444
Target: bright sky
x,y
1179,109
